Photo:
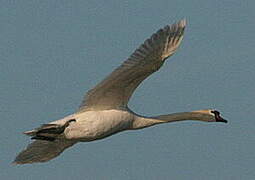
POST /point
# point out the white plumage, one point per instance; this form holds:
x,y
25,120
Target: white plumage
x,y
104,110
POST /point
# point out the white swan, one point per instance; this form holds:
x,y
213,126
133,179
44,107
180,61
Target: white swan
x,y
104,110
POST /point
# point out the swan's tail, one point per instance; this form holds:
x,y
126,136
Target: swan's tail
x,y
49,132
42,151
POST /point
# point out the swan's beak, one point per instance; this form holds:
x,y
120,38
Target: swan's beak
x,y
218,118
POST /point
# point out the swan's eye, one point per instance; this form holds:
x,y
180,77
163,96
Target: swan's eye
x,y
216,113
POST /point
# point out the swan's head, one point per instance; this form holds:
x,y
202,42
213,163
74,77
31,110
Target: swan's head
x,y
217,116
212,115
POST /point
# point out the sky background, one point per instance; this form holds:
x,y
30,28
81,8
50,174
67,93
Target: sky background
x,y
52,52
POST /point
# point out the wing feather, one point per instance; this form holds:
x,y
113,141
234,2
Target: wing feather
x,y
117,88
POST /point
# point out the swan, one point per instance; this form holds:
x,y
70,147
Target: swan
x,y
104,110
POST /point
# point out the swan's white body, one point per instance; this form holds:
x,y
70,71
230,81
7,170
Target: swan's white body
x,y
93,125
104,110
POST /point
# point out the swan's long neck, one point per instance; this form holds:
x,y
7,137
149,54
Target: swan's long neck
x,y
142,122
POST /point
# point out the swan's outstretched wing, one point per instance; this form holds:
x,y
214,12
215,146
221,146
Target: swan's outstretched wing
x,y
42,151
116,89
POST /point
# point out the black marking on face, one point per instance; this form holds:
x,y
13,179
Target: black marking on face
x,y
218,118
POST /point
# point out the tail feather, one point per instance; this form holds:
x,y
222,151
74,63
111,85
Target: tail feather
x,y
42,151
48,131
46,128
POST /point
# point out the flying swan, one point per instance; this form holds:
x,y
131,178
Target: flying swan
x,y
104,110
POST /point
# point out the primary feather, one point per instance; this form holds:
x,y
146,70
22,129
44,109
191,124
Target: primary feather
x,y
115,90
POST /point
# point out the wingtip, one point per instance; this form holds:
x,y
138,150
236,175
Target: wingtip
x,y
15,163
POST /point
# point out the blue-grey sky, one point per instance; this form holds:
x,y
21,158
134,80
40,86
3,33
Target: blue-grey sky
x,y
52,52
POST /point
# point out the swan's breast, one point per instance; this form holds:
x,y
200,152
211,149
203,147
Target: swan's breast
x,y
93,125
